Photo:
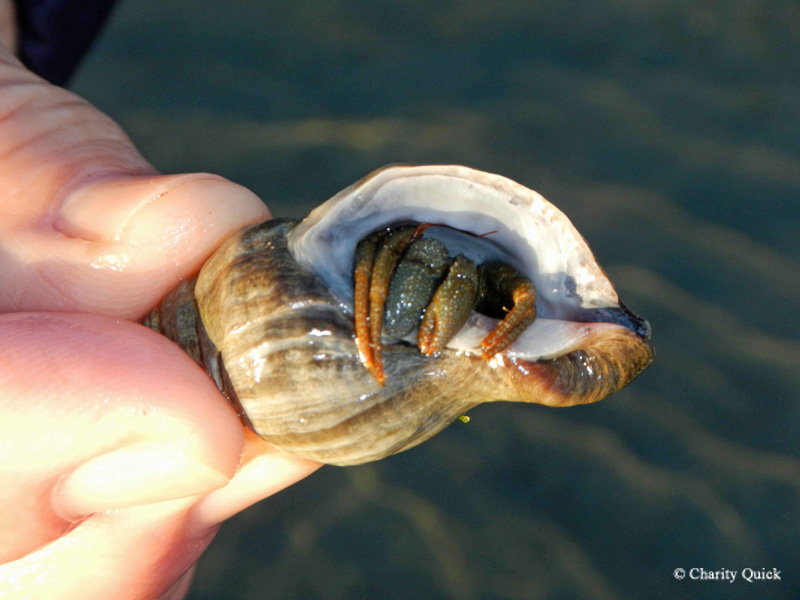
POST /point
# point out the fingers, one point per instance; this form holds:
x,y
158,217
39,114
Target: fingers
x,y
89,407
109,436
118,245
111,439
86,224
131,554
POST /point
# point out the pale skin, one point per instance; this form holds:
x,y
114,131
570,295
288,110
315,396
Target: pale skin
x,y
118,456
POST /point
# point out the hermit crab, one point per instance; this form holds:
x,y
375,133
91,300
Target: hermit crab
x,y
399,304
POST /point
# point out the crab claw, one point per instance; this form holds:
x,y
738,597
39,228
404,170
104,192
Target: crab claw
x,y
449,308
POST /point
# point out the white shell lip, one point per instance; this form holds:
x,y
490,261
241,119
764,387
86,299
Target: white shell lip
x,y
544,244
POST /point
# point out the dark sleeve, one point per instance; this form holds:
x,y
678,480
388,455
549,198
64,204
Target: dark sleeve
x,y
55,34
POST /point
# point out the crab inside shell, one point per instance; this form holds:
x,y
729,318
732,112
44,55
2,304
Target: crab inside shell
x,y
276,301
487,218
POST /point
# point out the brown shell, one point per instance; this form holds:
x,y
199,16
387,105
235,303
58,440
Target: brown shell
x,y
291,362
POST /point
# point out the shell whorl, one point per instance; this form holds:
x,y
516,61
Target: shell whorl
x,y
290,353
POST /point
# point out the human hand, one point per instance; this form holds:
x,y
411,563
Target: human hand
x,y
118,456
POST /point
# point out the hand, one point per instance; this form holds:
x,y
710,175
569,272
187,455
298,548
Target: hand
x,y
118,456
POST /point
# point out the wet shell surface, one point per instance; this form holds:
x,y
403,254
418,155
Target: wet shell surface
x,y
276,327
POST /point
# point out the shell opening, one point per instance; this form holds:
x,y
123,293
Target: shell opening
x,y
486,217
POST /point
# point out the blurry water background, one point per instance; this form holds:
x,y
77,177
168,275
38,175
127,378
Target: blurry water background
x,y
669,131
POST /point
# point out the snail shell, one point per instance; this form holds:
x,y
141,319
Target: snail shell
x,y
276,322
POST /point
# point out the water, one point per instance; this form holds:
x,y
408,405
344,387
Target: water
x,y
669,132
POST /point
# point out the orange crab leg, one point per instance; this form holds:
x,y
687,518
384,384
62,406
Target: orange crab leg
x,y
376,259
386,260
365,255
523,313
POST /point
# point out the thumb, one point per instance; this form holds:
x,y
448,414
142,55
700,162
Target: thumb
x,y
86,224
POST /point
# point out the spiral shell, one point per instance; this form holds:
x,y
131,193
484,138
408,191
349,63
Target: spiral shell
x,y
276,325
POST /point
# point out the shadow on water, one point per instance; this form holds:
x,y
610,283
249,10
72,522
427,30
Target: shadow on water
x,y
668,132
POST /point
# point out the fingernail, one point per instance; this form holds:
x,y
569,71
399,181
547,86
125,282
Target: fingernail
x,y
101,211
133,476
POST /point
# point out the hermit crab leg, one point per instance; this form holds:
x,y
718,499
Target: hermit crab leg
x,y
507,282
365,256
449,308
368,308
